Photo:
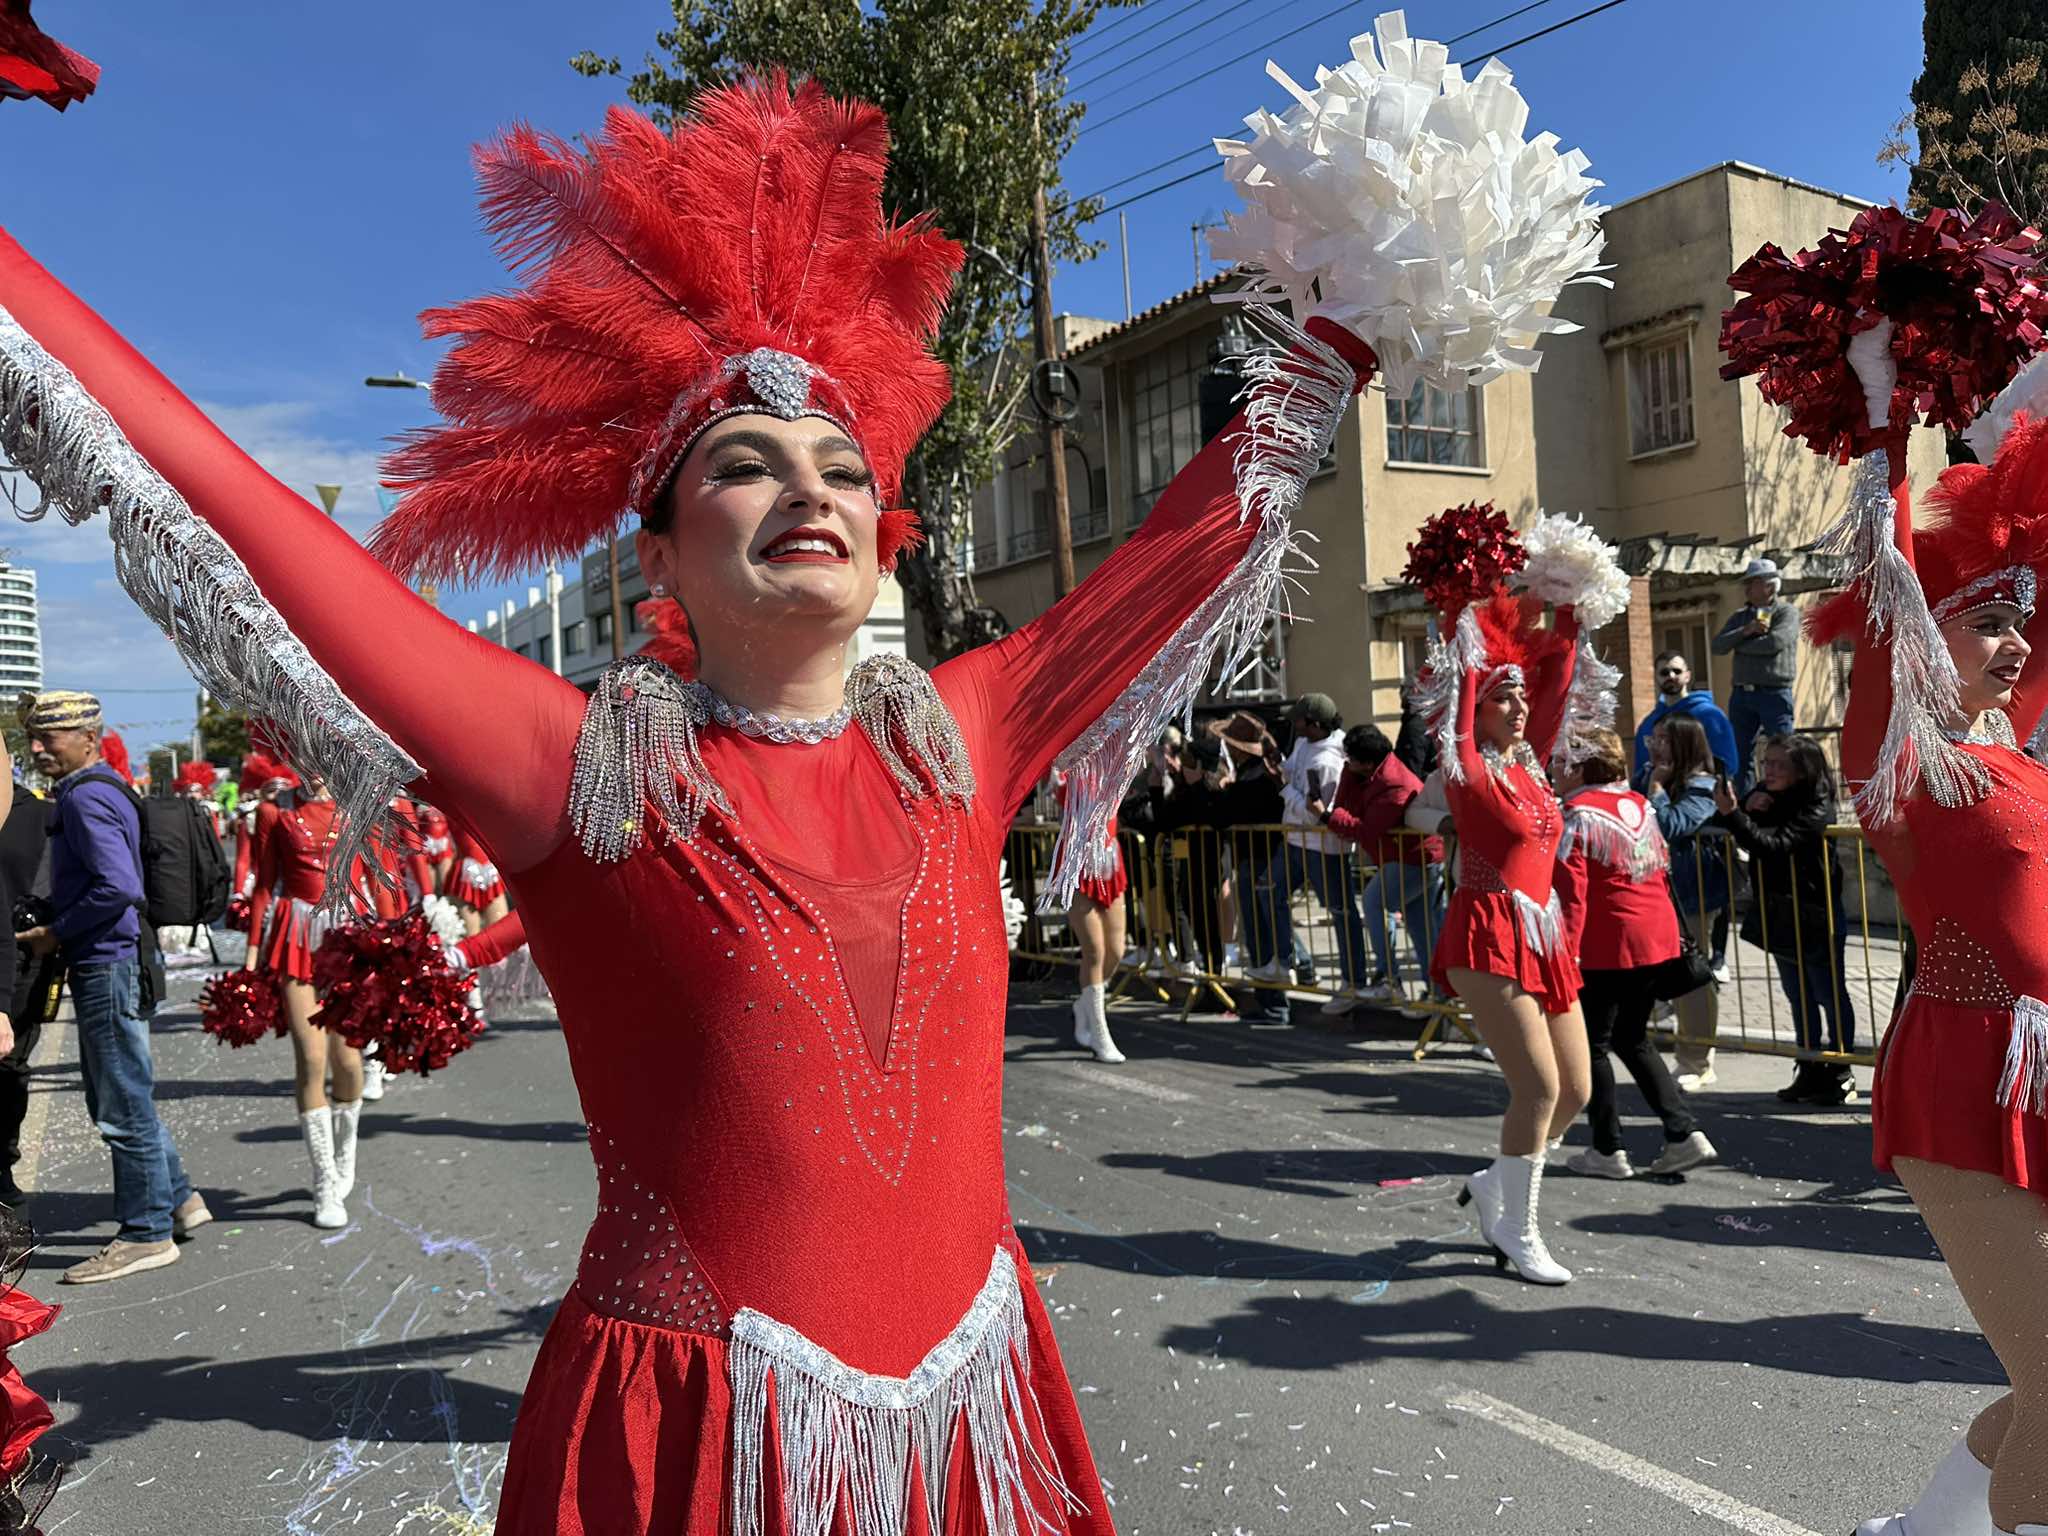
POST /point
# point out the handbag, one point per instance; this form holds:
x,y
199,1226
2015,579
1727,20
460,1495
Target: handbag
x,y
1684,973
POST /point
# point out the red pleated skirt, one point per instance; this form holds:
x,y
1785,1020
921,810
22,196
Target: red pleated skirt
x,y
1108,890
475,884
1936,1096
292,931
626,1430
1483,932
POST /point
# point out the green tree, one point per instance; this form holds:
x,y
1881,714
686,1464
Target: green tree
x,y
223,732
955,78
1978,128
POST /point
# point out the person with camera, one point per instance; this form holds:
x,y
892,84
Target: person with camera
x,y
1371,805
1613,884
1763,638
96,896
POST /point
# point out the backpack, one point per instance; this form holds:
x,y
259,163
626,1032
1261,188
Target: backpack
x,y
185,874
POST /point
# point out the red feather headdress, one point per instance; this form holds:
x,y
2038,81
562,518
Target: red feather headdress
x,y
741,262
194,775
114,753
259,771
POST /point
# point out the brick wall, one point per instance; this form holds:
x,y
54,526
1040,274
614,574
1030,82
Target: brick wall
x,y
1627,644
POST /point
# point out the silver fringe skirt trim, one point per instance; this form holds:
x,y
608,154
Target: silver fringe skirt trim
x,y
1299,388
2024,1085
312,923
851,1440
195,589
1917,747
638,748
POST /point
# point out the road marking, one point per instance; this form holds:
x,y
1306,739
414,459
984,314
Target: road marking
x,y
1697,1497
38,1111
1126,1084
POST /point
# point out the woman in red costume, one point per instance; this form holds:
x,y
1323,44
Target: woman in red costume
x,y
288,917
1959,816
437,846
476,886
1097,919
1505,695
772,890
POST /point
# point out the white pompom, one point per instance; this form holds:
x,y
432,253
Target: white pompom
x,y
1570,563
2027,392
1408,199
442,917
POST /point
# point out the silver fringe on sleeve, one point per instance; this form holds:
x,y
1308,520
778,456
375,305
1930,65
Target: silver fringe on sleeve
x,y
1443,680
853,1438
1298,388
183,575
1926,692
1591,703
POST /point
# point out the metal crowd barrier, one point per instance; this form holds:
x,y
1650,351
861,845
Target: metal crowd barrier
x,y
1212,915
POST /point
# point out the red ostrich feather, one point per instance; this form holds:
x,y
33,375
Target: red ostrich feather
x,y
650,258
114,753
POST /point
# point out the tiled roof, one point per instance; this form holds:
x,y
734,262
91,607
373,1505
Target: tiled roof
x,y
1203,289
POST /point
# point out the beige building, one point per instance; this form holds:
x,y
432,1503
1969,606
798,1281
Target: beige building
x,y
1627,423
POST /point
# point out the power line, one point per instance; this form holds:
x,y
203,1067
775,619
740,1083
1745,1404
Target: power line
x,y
1145,58
1140,196
1094,36
1156,68
1151,26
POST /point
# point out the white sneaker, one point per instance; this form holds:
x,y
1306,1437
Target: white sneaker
x,y
1601,1165
1721,974
1678,1156
1272,970
1185,970
1693,1082
1340,1004
1377,993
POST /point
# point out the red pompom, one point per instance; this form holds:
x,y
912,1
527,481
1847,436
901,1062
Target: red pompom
x,y
1965,300
35,66
240,1008
1463,554
238,914
390,981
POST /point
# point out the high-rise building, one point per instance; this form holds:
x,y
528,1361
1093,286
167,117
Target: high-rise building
x,y
21,632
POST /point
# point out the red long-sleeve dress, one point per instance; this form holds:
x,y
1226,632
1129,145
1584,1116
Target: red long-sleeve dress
x,y
786,1031
1962,1075
1504,919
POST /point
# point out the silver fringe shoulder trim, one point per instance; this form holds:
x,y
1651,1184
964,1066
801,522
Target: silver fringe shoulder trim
x,y
851,1437
1298,388
1443,682
638,748
1926,693
182,574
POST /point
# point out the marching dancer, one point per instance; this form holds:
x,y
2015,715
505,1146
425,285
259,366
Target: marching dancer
x,y
1097,919
1505,695
288,917
767,900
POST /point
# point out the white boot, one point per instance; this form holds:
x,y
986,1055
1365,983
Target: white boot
x,y
1955,1502
1516,1238
345,1117
317,1125
1084,1022
1100,1039
373,1074
1483,1187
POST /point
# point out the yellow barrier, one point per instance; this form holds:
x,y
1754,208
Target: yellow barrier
x,y
1211,914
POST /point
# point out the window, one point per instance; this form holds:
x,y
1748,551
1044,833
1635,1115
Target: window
x,y
601,629
544,648
572,638
1436,427
1165,417
524,650
1660,394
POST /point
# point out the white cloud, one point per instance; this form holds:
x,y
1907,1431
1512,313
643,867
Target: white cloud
x,y
280,438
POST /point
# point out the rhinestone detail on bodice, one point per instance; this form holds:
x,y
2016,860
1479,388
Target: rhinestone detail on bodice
x,y
636,1264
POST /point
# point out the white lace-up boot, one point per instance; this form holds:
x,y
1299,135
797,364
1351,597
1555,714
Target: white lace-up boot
x,y
317,1126
1516,1238
345,1117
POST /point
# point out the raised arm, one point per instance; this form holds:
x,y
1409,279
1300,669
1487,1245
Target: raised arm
x,y
493,733
264,863
1022,700
1550,686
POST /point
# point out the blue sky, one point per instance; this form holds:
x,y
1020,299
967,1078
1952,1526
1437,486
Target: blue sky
x,y
262,196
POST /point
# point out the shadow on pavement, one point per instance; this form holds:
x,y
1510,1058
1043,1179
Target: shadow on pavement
x,y
379,1122
1338,1173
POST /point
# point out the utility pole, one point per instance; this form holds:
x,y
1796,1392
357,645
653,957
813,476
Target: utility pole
x,y
1061,534
618,618
1195,239
1123,233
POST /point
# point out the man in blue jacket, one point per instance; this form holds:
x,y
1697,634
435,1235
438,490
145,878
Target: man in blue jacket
x,y
97,896
1677,696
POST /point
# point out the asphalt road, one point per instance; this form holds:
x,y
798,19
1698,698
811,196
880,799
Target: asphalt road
x,y
1276,1317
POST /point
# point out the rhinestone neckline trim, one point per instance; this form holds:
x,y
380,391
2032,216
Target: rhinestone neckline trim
x,y
767,727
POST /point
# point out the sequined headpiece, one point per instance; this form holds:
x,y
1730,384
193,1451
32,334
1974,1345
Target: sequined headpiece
x,y
740,263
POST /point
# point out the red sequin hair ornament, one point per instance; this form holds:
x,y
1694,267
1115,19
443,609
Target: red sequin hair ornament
x,y
668,636
740,262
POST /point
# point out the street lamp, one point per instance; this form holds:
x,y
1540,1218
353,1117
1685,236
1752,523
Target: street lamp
x,y
398,380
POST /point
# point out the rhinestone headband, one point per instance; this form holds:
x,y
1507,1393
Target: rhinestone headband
x,y
763,382
1508,676
2013,586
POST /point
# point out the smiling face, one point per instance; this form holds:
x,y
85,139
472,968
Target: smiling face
x,y
1502,716
767,521
1990,653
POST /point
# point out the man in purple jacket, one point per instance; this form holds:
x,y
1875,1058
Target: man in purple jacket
x,y
96,893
